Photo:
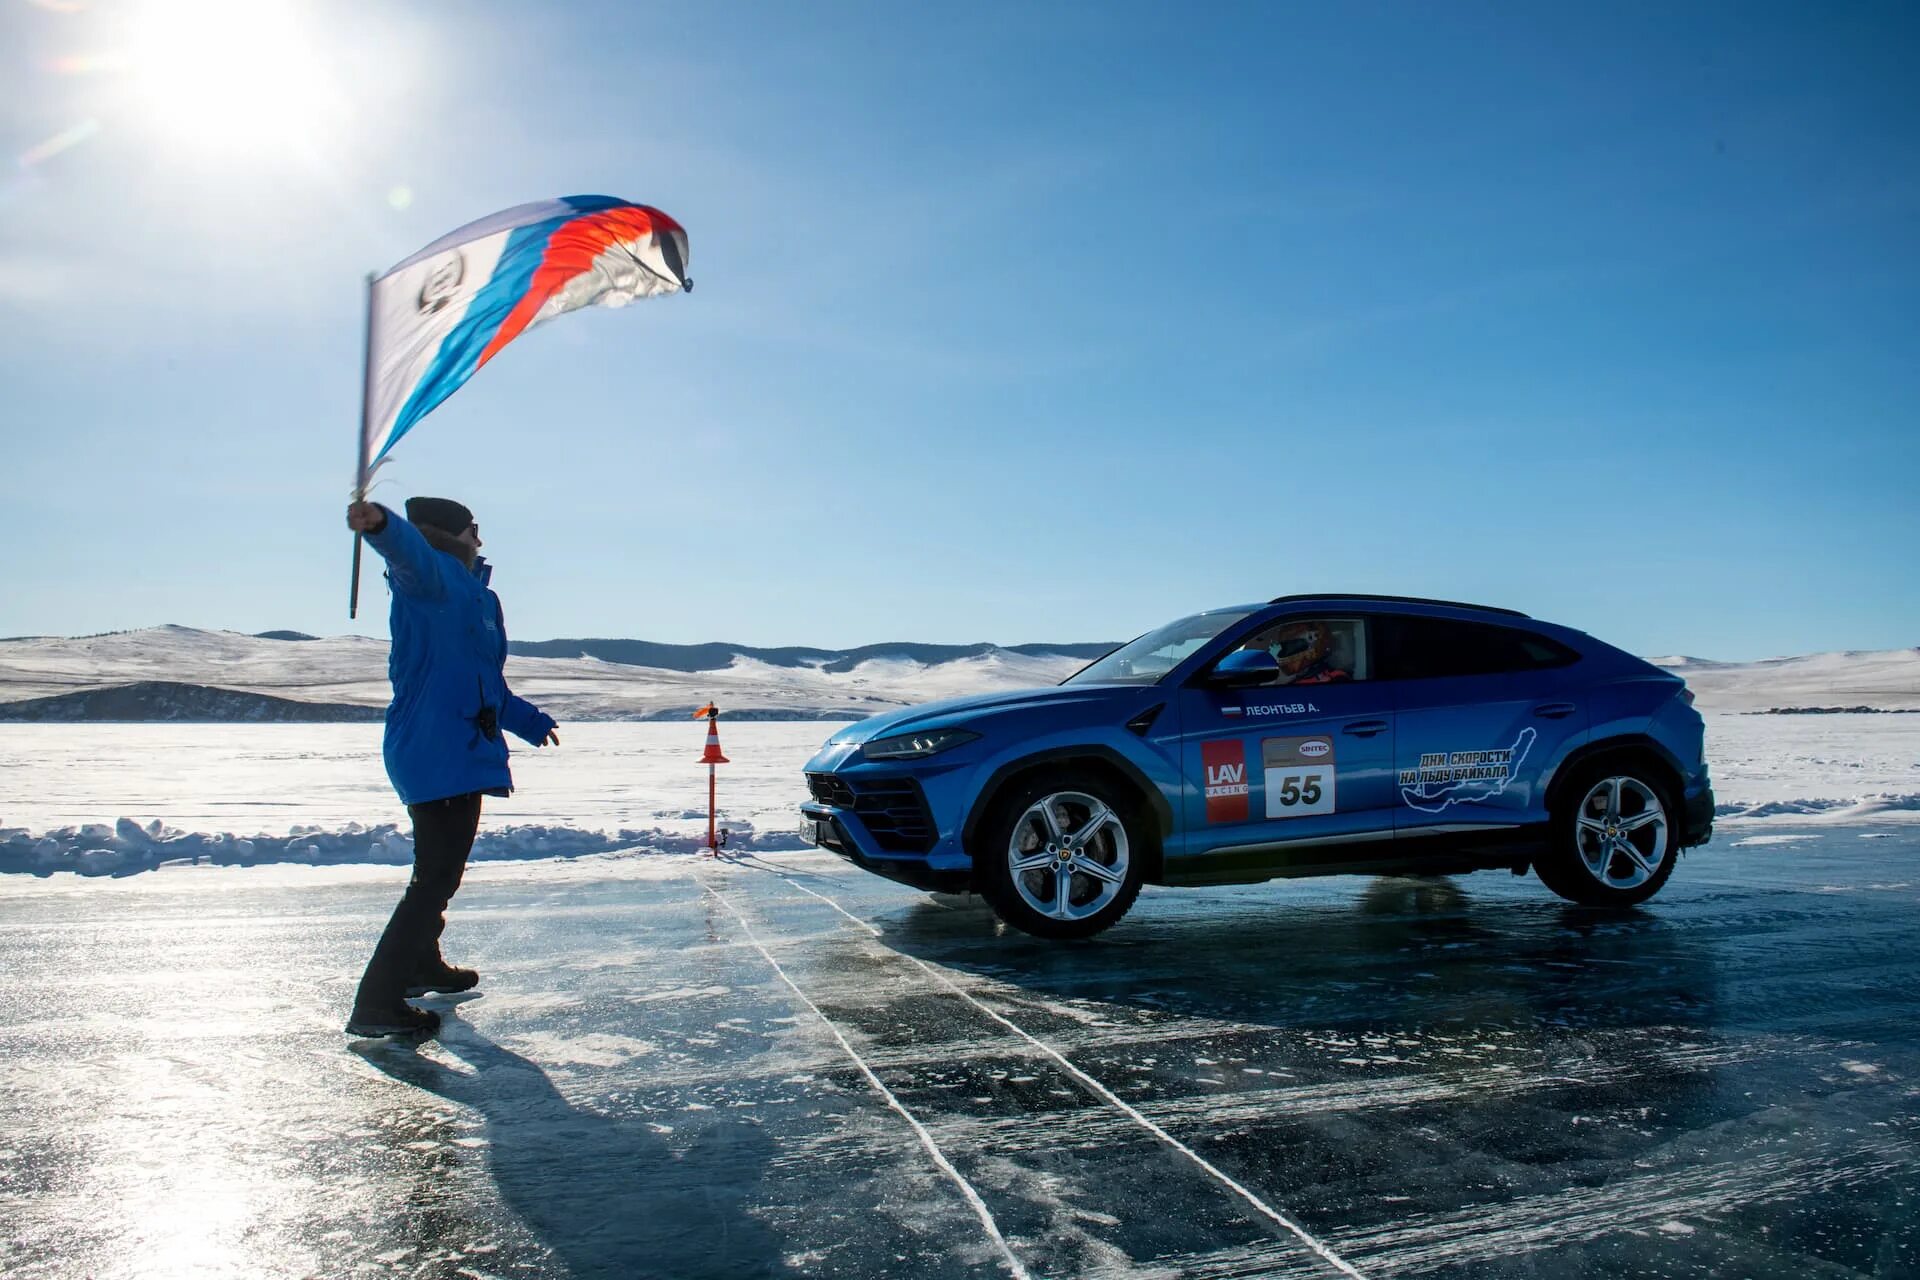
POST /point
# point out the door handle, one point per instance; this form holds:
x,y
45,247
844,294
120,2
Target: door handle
x,y
1554,710
1364,728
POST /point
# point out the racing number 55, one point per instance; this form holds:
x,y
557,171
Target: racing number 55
x,y
1302,790
1299,776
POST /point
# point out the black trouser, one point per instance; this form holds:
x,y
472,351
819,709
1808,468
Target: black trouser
x,y
443,832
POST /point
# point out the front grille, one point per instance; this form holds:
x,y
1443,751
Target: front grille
x,y
830,838
895,812
829,789
893,809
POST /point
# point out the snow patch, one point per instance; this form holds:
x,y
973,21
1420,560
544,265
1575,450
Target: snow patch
x,y
682,993
1846,808
594,1049
127,847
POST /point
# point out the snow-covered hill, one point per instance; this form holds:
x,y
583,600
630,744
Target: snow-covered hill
x,y
150,700
1885,680
353,670
764,684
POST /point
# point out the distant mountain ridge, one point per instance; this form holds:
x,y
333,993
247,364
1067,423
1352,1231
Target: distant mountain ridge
x,y
151,700
180,673
185,674
719,655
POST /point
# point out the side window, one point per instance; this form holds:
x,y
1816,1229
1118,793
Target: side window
x,y
1542,652
1316,650
1423,648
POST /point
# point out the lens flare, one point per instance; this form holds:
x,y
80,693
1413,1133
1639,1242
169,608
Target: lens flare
x,y
233,75
90,64
71,136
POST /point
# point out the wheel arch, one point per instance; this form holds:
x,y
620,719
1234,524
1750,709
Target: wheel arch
x,y
1100,760
1638,748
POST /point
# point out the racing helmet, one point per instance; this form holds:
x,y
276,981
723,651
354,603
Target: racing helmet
x,y
1319,643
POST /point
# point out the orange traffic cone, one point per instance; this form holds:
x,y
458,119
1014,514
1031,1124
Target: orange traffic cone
x,y
712,754
711,757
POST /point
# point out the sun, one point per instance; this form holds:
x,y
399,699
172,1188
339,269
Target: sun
x,y
234,75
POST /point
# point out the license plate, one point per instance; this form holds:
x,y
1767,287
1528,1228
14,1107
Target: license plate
x,y
810,830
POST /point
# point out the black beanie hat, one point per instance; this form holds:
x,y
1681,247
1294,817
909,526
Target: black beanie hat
x,y
440,513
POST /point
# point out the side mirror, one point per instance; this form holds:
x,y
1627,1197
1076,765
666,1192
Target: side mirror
x,y
1244,669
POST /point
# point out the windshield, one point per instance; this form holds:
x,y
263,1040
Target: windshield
x,y
1145,660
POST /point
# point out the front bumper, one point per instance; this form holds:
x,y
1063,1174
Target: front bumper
x,y
1698,825
840,832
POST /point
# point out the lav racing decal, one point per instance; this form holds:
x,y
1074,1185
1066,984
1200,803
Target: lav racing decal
x,y
1225,762
1462,777
1298,776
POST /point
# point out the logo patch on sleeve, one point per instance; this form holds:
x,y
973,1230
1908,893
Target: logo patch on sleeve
x,y
1225,762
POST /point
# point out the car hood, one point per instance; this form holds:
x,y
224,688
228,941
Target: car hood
x,y
952,711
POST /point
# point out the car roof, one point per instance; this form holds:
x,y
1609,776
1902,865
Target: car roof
x,y
1334,597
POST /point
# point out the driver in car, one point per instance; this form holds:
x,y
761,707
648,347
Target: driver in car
x,y
1304,651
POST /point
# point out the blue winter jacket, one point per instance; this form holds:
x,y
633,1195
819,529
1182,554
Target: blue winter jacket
x,y
447,664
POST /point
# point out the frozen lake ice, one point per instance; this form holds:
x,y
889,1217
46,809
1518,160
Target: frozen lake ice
x,y
251,778
782,1066
644,780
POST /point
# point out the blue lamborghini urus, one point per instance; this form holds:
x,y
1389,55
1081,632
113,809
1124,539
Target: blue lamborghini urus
x,y
1311,735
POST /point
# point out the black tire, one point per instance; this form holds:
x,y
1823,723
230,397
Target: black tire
x,y
1614,835
1094,900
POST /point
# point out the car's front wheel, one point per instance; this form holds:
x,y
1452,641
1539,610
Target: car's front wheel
x,y
1063,856
1614,839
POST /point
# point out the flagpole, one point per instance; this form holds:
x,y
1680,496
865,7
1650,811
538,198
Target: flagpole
x,y
360,472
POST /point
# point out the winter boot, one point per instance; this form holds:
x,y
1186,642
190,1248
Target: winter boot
x,y
440,977
401,1020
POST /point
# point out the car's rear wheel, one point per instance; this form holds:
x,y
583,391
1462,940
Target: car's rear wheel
x,y
1063,856
1615,838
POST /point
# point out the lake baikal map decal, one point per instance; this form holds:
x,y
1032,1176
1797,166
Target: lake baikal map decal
x,y
1463,777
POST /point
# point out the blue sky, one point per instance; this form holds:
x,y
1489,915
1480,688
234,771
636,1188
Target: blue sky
x,y
1011,323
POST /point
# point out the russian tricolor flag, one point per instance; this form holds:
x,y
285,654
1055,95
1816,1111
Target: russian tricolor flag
x,y
438,316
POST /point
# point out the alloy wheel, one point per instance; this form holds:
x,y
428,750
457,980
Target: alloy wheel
x,y
1621,833
1068,855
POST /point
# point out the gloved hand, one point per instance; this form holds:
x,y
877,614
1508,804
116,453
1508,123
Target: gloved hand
x,y
366,517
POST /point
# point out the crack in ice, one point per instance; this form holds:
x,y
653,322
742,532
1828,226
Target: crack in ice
x,y
973,1199
1266,1210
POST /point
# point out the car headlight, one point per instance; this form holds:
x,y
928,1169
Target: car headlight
x,y
916,746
